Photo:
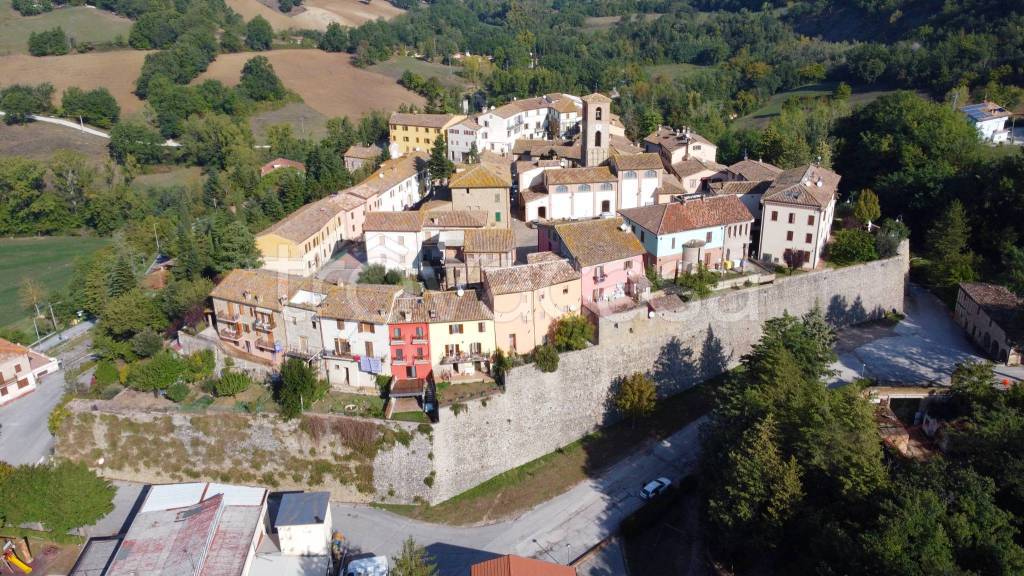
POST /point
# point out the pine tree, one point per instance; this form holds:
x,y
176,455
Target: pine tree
x,y
413,561
867,209
439,166
952,261
213,190
637,396
122,277
233,247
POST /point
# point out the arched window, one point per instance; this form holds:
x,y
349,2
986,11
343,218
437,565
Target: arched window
x,y
650,174
584,188
629,175
606,186
597,113
597,137
561,188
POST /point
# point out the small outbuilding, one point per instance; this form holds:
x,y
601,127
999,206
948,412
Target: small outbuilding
x,y
303,524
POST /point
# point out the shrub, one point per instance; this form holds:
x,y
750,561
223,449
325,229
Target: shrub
x,y
200,365
106,373
157,373
147,343
851,247
889,236
97,107
700,282
573,332
53,42
546,358
177,392
231,383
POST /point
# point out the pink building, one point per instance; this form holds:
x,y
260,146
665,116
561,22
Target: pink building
x,y
607,255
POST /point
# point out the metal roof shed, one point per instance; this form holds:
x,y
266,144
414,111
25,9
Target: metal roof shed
x,y
304,523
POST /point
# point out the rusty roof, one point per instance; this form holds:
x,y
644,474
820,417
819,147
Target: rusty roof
x,y
807,185
579,176
1003,306
519,566
489,240
529,277
405,221
755,170
262,288
593,242
363,152
360,302
644,161
478,176
705,212
9,349
423,120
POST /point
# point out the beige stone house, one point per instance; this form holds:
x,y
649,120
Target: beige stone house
x,y
993,317
528,299
481,248
482,187
358,156
248,314
796,216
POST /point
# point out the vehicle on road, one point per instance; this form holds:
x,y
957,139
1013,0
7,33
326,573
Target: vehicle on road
x,y
374,566
654,488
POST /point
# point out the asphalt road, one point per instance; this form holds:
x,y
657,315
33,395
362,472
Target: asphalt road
x,y
558,530
24,438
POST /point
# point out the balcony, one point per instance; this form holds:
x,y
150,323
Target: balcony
x,y
233,335
342,353
422,361
600,277
264,344
399,361
229,318
264,325
459,357
419,340
397,342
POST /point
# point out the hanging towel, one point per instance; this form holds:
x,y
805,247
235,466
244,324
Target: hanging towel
x,y
375,365
364,363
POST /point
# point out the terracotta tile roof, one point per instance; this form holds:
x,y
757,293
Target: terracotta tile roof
x,y
671,139
454,219
478,176
9,349
579,176
434,205
536,148
469,122
424,120
531,195
644,161
406,221
360,302
739,187
692,166
597,97
363,152
278,163
1003,306
499,164
755,170
622,145
262,288
546,256
807,185
517,106
665,303
489,240
669,187
350,201
390,173
450,307
565,106
593,242
311,218
695,214
529,277
519,566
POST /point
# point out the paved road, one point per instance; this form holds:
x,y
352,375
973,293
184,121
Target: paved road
x,y
922,349
562,528
24,438
54,340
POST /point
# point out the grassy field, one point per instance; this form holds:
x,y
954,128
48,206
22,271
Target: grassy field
x,y
396,66
760,117
535,482
168,176
673,71
305,122
82,23
49,261
39,141
316,14
115,71
606,22
327,83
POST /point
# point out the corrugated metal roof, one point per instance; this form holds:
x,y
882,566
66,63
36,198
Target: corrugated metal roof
x,y
167,496
303,508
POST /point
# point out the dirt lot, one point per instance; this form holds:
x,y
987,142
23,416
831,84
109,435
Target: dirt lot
x,y
316,14
116,71
39,141
328,83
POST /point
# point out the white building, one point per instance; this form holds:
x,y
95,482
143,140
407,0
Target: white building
x,y
354,326
538,118
303,524
462,138
640,176
990,121
796,216
409,241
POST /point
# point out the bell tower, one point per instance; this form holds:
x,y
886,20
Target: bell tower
x,y
597,109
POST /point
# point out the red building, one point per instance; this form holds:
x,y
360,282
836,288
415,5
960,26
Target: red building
x,y
409,339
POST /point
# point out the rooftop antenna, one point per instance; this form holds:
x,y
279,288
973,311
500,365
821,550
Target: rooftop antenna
x,y
744,153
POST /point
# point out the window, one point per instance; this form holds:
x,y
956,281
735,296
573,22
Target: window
x,y
399,354
419,333
419,353
606,186
627,265
365,328
561,188
497,197
584,188
369,348
810,220
597,139
565,290
397,333
707,237
673,243
775,215
650,174
789,235
807,238
597,115
629,175
643,237
497,216
455,329
480,327
792,218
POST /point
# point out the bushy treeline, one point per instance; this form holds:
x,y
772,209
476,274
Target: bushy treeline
x,y
53,42
97,107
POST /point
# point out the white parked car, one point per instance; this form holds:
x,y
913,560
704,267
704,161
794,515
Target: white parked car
x,y
654,487
375,566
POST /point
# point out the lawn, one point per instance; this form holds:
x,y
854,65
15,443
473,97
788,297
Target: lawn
x,y
760,117
49,261
524,487
38,141
397,65
81,23
169,177
681,71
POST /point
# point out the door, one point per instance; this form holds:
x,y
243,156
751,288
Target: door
x,y
303,344
606,206
542,212
369,349
512,342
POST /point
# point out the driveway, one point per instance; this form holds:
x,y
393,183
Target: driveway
x,y
922,349
24,438
558,530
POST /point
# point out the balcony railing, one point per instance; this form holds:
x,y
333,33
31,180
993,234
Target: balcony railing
x,y
465,357
341,353
399,361
397,341
422,360
419,340
600,277
264,325
231,334
264,344
229,318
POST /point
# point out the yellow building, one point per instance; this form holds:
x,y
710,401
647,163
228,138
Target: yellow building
x,y
411,132
528,299
461,330
303,241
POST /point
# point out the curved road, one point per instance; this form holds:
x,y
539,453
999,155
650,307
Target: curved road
x,y
558,530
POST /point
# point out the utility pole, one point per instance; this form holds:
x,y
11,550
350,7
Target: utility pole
x,y
60,334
